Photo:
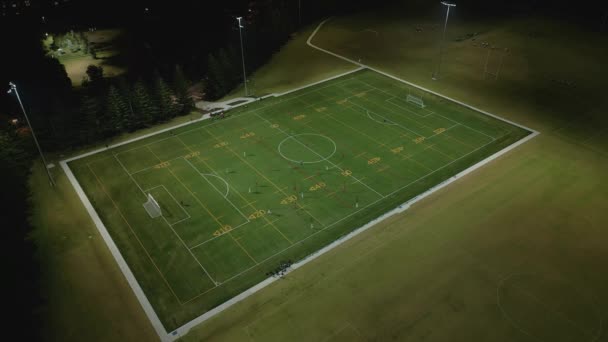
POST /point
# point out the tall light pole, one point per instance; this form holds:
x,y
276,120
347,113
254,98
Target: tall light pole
x,y
243,55
14,90
445,25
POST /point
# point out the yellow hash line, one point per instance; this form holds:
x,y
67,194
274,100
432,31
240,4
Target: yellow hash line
x,y
206,209
193,195
409,158
354,129
250,204
240,195
281,190
434,149
270,223
134,234
268,180
243,248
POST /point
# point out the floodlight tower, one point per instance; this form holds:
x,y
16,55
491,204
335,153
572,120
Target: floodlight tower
x,y
243,54
13,89
448,5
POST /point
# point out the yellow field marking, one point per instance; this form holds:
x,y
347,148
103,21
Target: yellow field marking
x,y
247,135
434,149
354,129
162,165
330,194
397,149
374,160
274,126
419,140
361,94
201,203
270,223
257,214
220,144
134,234
289,199
192,155
223,230
193,194
342,101
258,172
360,154
309,177
322,109
439,130
299,117
243,248
318,186
347,173
409,158
249,204
281,190
384,168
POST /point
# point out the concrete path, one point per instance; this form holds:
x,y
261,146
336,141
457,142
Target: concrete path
x,y
225,105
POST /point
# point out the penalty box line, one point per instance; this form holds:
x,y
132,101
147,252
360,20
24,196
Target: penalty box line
x,y
170,226
338,221
385,92
135,234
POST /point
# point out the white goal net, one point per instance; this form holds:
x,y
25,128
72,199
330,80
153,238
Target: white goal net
x,y
415,100
152,207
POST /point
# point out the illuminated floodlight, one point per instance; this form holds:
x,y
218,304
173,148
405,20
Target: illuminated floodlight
x,y
13,89
448,5
242,54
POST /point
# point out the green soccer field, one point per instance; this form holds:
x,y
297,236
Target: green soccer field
x,y
274,181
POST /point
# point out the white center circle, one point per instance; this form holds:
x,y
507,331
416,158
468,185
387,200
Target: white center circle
x,y
320,158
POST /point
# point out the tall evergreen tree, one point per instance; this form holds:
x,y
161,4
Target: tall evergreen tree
x,y
118,110
231,70
165,99
219,83
143,107
88,126
180,86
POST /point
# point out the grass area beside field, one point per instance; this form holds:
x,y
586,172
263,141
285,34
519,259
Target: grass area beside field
x,y
275,182
433,272
511,253
53,222
295,65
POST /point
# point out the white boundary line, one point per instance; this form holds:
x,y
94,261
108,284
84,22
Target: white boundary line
x,y
138,291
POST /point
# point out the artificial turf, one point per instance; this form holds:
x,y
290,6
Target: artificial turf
x,y
276,180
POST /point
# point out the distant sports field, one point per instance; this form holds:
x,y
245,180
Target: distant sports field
x,y
275,181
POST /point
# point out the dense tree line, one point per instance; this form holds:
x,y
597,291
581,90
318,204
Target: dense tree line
x,y
110,107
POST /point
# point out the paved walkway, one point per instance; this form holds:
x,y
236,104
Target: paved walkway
x,y
225,105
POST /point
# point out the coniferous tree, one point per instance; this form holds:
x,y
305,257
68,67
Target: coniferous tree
x,y
180,86
229,68
142,106
118,110
218,79
165,99
88,127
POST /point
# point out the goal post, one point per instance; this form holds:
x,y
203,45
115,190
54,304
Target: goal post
x,y
415,100
152,207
